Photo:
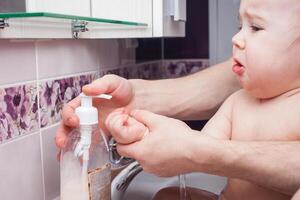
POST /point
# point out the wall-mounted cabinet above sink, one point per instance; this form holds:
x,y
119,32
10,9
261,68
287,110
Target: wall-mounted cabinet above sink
x,y
53,25
92,19
68,7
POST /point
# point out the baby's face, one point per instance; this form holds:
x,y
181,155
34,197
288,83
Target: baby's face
x,y
266,50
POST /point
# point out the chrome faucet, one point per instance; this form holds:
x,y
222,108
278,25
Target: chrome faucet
x,y
121,182
114,156
123,179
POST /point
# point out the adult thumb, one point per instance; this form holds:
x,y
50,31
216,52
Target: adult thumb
x,y
128,150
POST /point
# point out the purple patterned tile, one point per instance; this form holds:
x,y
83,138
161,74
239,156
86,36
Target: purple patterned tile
x,y
178,68
153,70
159,69
125,72
112,71
55,93
18,111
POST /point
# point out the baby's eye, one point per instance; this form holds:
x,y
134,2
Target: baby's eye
x,y
240,27
255,28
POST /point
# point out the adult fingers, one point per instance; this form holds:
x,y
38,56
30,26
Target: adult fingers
x,y
116,86
125,129
61,135
58,155
149,119
68,113
106,84
129,150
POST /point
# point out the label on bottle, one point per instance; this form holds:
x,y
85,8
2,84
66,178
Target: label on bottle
x,y
99,182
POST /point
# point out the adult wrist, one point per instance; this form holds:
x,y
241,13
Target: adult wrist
x,y
138,94
210,155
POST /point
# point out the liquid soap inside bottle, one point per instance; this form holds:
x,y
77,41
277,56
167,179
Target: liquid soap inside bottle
x,y
85,172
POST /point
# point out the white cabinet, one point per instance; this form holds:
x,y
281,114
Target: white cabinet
x,y
70,7
169,18
127,10
93,18
165,18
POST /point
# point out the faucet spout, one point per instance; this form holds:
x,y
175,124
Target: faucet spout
x,y
123,179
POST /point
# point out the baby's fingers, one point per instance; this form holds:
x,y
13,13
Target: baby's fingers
x,y
125,129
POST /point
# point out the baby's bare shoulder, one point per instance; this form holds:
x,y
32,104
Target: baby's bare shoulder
x,y
276,118
286,111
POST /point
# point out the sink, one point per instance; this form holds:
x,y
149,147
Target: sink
x,y
144,186
134,184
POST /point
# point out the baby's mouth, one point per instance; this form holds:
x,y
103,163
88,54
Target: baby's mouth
x,y
238,68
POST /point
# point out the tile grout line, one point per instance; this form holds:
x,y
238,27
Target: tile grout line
x,y
69,75
99,70
50,126
8,85
39,118
12,140
129,65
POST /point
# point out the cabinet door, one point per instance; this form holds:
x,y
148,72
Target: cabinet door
x,y
128,10
165,19
71,7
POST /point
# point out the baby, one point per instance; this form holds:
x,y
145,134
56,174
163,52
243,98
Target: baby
x,y
266,61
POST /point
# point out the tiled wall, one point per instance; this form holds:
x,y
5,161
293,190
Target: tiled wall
x,y
36,79
159,69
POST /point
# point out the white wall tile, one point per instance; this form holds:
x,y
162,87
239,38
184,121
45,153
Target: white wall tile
x,y
114,53
51,165
64,57
17,61
21,169
108,54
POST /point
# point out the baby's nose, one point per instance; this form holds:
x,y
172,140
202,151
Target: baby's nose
x,y
238,40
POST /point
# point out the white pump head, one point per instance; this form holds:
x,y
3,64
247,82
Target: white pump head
x,y
88,114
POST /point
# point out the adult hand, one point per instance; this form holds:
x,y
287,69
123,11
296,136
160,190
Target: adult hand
x,y
121,90
160,145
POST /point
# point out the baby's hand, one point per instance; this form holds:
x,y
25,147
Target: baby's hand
x,y
124,128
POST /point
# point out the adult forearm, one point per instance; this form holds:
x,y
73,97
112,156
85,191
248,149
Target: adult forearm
x,y
195,96
270,164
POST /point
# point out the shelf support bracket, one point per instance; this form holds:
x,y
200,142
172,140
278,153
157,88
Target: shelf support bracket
x,y
3,24
78,27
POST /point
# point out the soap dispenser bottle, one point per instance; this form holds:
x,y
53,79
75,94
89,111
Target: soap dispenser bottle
x,y
84,166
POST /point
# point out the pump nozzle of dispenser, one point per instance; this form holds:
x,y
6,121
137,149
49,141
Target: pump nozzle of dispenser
x,y
88,116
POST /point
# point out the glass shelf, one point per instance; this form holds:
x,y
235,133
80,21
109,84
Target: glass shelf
x,y
57,22
70,17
